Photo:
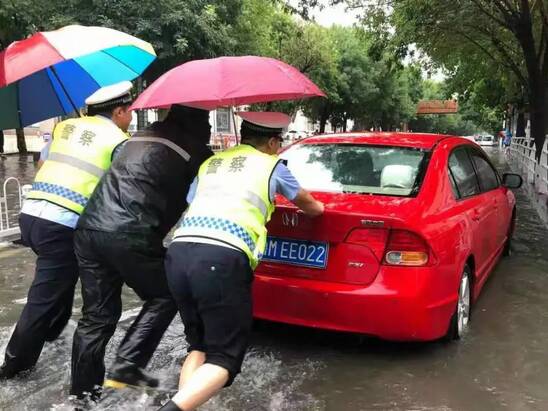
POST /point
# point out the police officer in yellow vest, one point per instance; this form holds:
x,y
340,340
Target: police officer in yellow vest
x,y
216,248
81,151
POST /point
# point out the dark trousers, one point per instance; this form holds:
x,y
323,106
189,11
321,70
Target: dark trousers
x,y
49,301
212,287
107,261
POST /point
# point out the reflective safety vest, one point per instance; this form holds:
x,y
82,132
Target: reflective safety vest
x,y
79,155
232,202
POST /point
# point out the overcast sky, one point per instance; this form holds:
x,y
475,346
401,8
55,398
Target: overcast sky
x,y
338,15
335,15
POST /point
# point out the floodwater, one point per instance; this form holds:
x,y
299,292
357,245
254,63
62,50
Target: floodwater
x,y
499,365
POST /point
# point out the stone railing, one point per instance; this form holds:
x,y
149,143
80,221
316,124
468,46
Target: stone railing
x,y
34,143
11,201
522,153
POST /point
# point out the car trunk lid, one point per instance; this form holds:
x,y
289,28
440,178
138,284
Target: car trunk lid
x,y
354,231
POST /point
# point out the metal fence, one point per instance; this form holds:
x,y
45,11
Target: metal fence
x,y
11,201
522,151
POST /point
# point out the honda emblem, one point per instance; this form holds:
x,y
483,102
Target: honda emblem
x,y
290,219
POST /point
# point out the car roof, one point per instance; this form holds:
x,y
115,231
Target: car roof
x,y
400,139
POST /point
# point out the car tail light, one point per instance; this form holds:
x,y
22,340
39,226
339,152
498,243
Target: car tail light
x,y
374,238
405,248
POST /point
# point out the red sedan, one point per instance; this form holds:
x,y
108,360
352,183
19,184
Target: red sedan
x,y
413,225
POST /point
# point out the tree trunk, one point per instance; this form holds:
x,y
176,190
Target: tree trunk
x,y
538,118
21,143
323,118
537,108
520,125
537,85
141,114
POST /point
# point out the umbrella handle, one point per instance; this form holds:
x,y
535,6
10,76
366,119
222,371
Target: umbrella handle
x,y
65,91
234,122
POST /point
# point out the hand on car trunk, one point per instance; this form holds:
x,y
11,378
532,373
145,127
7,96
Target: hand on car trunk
x,y
310,206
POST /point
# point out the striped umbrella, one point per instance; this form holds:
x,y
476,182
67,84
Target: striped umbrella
x,y
52,73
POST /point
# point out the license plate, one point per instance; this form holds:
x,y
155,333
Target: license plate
x,y
298,252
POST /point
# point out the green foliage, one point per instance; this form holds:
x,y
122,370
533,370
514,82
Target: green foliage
x,y
364,85
360,69
178,30
453,124
466,36
19,18
261,29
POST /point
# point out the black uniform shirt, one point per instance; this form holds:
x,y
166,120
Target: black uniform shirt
x,y
144,191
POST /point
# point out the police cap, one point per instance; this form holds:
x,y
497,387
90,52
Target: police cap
x,y
113,95
262,122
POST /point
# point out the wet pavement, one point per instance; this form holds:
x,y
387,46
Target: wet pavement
x,y
499,365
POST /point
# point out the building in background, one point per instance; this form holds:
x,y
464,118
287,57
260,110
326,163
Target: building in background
x,y
223,129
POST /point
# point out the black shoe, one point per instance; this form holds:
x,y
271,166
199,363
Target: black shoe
x,y
85,401
6,373
124,374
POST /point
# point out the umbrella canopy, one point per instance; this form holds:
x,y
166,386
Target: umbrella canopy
x,y
52,73
227,81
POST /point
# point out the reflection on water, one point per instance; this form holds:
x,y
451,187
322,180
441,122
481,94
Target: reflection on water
x,y
499,365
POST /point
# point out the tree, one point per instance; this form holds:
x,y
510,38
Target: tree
x,y
376,89
484,91
306,46
357,75
178,30
512,34
312,51
262,29
182,31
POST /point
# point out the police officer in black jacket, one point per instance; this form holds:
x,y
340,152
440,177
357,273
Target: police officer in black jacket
x,y
119,240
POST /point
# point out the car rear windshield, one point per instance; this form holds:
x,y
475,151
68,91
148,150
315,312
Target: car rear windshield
x,y
349,168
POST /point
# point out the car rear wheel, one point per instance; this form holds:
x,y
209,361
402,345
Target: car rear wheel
x,y
461,316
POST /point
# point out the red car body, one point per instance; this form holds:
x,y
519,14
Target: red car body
x,y
358,291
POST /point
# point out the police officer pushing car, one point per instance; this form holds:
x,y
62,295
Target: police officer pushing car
x,y
119,240
217,246
81,152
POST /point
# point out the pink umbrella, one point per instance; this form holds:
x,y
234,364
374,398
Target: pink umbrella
x,y
227,81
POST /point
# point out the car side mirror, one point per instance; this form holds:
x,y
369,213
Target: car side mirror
x,y
512,180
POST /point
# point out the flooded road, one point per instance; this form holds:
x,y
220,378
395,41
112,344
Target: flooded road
x,y
499,365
